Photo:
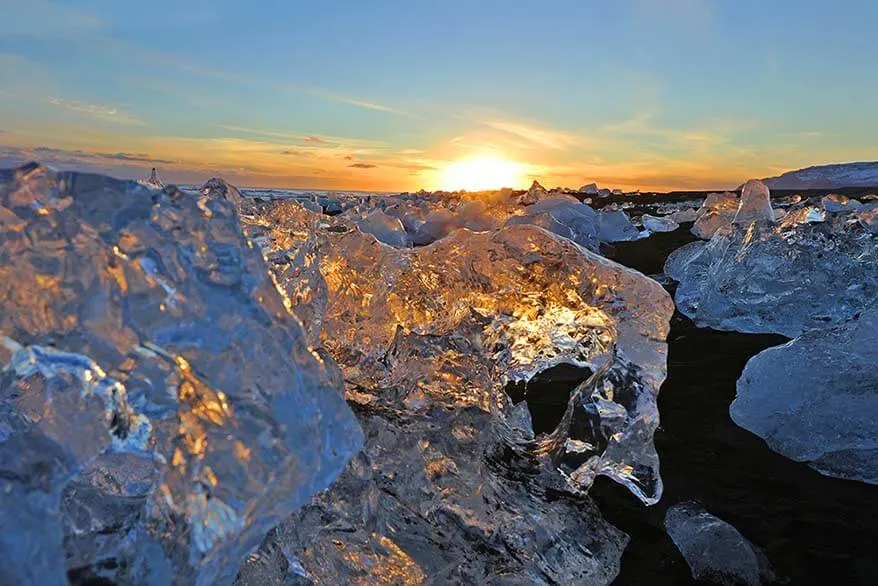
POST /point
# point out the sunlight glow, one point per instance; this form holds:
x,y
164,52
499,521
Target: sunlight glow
x,y
482,174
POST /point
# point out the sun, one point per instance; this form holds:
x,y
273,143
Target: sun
x,y
481,174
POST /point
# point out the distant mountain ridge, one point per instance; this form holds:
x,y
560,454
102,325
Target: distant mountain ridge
x,y
833,176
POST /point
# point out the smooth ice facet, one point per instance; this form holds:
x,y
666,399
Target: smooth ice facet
x,y
815,399
755,204
714,550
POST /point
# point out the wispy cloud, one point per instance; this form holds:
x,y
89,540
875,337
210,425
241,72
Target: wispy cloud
x,y
359,103
536,135
292,136
362,166
97,110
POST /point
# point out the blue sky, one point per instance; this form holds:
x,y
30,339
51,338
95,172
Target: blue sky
x,y
387,94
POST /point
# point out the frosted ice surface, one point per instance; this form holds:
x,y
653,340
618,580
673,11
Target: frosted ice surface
x,y
755,204
155,375
714,550
815,399
785,279
659,224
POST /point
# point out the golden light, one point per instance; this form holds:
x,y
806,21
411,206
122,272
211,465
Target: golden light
x,y
481,174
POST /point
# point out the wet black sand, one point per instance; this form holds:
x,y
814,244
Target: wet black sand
x,y
814,529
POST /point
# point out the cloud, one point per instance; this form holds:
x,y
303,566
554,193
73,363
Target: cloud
x,y
97,110
79,156
348,158
365,104
363,166
304,138
297,153
538,136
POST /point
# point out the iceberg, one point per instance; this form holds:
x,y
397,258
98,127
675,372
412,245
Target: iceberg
x,y
564,216
787,278
718,210
154,373
755,204
815,399
714,550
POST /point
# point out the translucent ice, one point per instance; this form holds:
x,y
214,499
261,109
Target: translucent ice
x,y
386,229
656,224
715,551
868,217
786,279
154,180
616,226
154,373
755,204
835,204
457,320
564,216
590,189
815,399
428,338
718,210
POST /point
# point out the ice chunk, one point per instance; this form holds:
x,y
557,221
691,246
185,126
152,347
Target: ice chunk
x,y
145,323
755,204
815,399
717,211
715,551
454,321
533,195
657,224
868,218
804,215
836,204
386,229
782,279
590,189
683,216
616,226
564,216
154,180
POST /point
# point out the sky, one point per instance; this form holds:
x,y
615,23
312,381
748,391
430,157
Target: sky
x,y
388,95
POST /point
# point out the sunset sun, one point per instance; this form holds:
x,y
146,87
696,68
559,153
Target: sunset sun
x,y
482,173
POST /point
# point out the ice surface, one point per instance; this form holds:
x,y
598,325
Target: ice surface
x,y
386,229
718,210
590,189
755,204
835,204
160,405
715,551
815,399
868,217
453,485
481,309
616,226
564,216
154,180
786,279
657,224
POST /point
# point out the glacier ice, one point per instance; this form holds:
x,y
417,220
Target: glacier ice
x,y
787,278
154,180
428,338
564,216
755,205
835,204
161,409
590,189
658,224
386,229
718,210
615,226
487,308
714,550
815,399
868,217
